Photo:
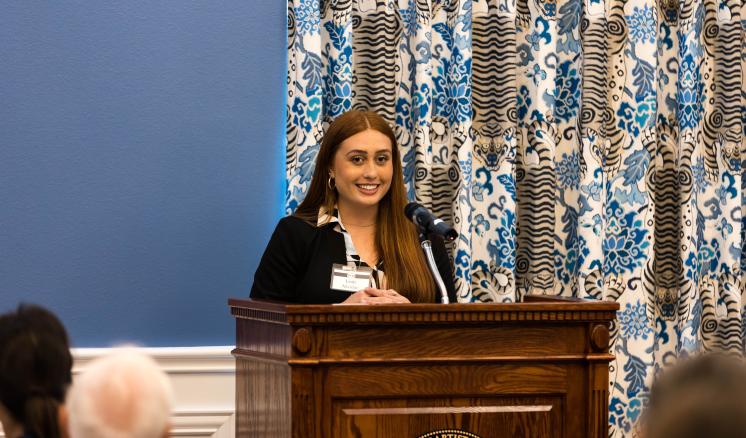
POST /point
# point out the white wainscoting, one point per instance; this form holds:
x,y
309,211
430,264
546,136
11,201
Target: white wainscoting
x,y
204,387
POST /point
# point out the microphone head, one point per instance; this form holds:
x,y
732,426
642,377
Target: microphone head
x,y
410,209
427,223
450,235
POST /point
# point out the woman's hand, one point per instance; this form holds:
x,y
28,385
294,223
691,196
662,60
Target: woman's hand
x,y
371,295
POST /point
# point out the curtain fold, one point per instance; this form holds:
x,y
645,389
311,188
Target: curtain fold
x,y
589,148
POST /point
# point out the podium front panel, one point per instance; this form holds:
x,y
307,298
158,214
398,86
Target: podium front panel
x,y
413,417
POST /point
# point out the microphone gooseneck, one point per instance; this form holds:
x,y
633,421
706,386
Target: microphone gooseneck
x,y
428,224
428,248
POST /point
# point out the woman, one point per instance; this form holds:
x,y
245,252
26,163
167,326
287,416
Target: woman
x,y
35,364
349,241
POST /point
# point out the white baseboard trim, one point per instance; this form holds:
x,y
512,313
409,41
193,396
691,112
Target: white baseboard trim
x,y
173,360
203,424
204,385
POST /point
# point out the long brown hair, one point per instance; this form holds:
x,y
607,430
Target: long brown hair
x,y
396,238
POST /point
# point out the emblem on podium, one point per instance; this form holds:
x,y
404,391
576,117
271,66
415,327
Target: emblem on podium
x,y
449,433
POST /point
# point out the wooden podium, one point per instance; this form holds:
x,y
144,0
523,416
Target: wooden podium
x,y
533,369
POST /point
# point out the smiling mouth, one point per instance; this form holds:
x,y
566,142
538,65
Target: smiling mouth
x,y
368,186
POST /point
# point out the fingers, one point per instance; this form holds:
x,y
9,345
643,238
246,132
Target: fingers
x,y
397,299
371,295
355,298
377,300
373,292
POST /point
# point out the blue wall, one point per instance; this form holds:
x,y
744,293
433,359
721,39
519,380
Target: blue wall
x,y
141,162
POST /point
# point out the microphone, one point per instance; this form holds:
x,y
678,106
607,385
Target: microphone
x,y
428,223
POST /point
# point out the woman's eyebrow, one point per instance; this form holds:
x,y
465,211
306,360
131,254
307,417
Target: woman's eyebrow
x,y
362,152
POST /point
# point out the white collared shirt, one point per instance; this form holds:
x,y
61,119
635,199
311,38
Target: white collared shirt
x,y
379,277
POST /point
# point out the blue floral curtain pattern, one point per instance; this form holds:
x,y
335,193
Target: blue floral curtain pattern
x,y
590,148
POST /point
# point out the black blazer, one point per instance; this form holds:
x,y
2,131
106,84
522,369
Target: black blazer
x,y
296,266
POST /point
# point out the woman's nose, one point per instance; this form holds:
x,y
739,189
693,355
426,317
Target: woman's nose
x,y
370,170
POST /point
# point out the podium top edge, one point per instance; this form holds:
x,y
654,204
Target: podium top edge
x,y
550,304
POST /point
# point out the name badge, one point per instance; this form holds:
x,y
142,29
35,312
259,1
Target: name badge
x,y
350,278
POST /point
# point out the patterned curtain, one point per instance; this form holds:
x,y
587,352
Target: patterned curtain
x,y
589,148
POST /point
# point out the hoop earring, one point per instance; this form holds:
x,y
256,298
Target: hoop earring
x,y
329,183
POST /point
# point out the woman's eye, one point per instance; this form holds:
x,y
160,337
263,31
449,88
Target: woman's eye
x,y
382,159
357,159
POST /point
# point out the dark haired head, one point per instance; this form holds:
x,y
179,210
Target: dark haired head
x,y
35,368
700,397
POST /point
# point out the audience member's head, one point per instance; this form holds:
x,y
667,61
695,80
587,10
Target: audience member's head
x,y
35,364
700,397
122,395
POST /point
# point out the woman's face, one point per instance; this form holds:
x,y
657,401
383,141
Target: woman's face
x,y
362,169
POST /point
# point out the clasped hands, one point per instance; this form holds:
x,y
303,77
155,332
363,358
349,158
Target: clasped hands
x,y
371,295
